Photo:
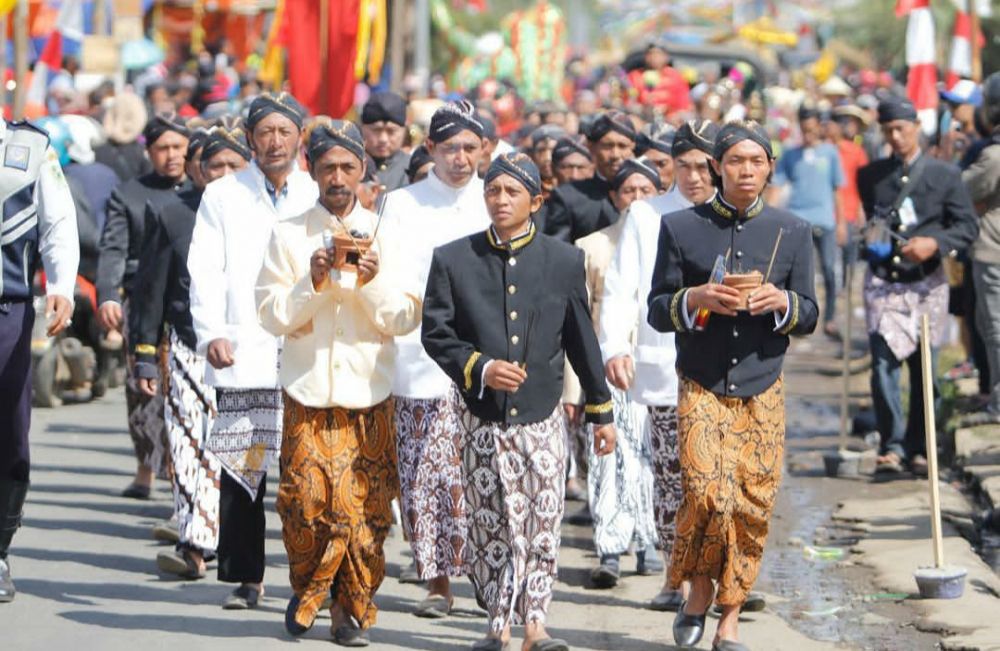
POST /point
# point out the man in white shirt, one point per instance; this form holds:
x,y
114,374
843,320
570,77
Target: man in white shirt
x,y
230,237
37,220
445,206
639,360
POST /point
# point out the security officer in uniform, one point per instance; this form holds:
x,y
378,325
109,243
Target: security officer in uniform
x,y
38,221
383,126
919,214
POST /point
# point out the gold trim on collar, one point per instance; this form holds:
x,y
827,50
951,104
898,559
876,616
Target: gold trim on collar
x,y
599,409
469,365
515,244
724,209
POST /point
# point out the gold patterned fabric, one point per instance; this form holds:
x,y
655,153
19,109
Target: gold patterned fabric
x,y
338,479
731,460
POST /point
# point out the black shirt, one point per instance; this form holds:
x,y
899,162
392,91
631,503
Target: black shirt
x,y
577,209
161,289
487,301
737,356
943,211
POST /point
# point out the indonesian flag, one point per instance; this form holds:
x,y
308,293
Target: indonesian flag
x,y
69,26
921,83
960,62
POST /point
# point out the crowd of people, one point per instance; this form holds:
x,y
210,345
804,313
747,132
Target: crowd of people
x,y
484,321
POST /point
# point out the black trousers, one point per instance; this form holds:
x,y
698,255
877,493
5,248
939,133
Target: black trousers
x,y
242,528
16,321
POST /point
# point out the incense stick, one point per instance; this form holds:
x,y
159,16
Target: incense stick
x,y
528,327
774,254
381,209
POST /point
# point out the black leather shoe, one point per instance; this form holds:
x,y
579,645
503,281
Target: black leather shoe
x,y
729,645
351,635
291,625
606,574
7,590
688,629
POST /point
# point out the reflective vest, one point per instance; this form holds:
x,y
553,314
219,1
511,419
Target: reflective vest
x,y
22,152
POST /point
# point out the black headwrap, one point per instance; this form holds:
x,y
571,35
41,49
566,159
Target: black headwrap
x,y
896,108
228,134
736,132
196,142
520,167
808,111
656,135
339,133
418,159
161,123
489,126
636,166
568,146
611,121
546,132
265,104
452,119
384,106
695,134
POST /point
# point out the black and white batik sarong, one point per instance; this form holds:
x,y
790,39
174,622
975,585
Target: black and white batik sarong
x,y
188,416
246,435
621,484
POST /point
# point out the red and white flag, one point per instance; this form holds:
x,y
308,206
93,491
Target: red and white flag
x,y
69,25
921,83
960,61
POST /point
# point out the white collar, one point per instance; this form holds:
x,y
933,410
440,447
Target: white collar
x,y
435,182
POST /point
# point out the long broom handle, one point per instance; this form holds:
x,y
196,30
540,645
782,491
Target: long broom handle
x,y
930,427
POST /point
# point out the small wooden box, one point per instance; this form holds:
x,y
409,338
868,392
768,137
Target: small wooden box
x,y
745,284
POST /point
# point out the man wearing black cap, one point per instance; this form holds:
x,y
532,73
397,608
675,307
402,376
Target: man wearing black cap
x,y
448,204
571,161
638,359
918,213
121,243
332,285
814,177
503,307
161,301
383,125
730,349
543,142
578,209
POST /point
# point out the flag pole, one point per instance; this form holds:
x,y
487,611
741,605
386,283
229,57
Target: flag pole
x,y
20,58
324,54
977,56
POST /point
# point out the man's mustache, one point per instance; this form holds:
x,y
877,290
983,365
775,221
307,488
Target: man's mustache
x,y
335,190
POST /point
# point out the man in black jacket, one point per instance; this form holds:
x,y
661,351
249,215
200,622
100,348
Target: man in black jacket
x,y
907,242
121,243
577,209
501,310
731,401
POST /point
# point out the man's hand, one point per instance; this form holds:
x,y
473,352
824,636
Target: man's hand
x,y
148,386
367,266
319,267
573,413
920,249
714,297
620,371
220,353
109,316
604,439
843,233
768,298
504,376
58,309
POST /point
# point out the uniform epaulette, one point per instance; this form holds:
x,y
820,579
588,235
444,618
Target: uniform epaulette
x,y
25,124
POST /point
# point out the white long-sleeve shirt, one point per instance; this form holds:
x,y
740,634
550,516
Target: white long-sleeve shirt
x,y
230,237
59,243
424,216
623,329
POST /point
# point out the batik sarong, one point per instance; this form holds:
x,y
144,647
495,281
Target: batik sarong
x,y
146,424
188,416
620,485
429,440
667,492
338,480
731,463
246,435
515,485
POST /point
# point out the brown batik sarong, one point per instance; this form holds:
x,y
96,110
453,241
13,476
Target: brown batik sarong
x,y
515,485
731,462
429,439
338,480
667,490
